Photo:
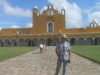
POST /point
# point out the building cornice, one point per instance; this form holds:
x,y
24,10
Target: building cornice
x,y
48,34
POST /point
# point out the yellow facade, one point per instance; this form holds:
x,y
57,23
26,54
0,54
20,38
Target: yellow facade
x,y
40,21
47,28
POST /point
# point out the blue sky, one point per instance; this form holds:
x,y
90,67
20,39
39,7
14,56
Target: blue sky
x,y
18,13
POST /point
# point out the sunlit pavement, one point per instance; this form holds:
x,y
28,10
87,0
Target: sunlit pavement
x,y
34,63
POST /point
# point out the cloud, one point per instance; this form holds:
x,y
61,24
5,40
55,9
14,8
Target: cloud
x,y
94,13
73,12
29,25
15,26
97,6
10,26
14,11
44,8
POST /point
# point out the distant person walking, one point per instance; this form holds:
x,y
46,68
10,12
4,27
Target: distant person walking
x,y
63,51
41,48
45,47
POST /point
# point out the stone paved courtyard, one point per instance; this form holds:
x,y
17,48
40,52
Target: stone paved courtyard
x,y
34,63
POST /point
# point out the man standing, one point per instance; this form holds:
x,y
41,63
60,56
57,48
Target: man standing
x,y
63,51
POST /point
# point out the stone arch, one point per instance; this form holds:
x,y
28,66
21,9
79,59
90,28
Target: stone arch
x,y
13,42
55,41
35,42
49,41
81,41
41,41
73,41
21,42
97,41
89,41
6,42
1,42
28,42
66,39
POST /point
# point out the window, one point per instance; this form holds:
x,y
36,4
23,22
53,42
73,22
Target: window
x,y
63,12
91,25
50,7
50,27
50,12
35,11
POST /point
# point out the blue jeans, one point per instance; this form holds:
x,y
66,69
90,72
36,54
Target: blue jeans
x,y
59,62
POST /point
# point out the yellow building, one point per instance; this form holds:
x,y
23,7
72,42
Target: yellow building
x,y
48,26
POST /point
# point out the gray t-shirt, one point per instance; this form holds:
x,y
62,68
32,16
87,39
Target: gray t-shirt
x,y
63,50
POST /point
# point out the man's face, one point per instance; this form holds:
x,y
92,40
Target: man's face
x,y
62,39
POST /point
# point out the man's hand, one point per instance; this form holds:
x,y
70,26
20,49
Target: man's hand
x,y
69,60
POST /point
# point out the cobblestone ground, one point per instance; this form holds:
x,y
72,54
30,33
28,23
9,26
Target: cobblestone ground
x,y
34,63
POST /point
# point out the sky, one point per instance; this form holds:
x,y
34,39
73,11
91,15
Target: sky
x,y
18,13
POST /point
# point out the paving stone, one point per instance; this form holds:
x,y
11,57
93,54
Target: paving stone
x,y
34,63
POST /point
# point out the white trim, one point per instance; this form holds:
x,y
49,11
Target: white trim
x,y
50,7
49,12
82,38
74,38
7,39
36,7
13,39
52,24
63,12
96,37
89,37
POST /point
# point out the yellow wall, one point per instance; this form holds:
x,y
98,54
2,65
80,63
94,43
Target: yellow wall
x,y
40,22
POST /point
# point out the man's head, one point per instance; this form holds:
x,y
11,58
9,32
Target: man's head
x,y
63,37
